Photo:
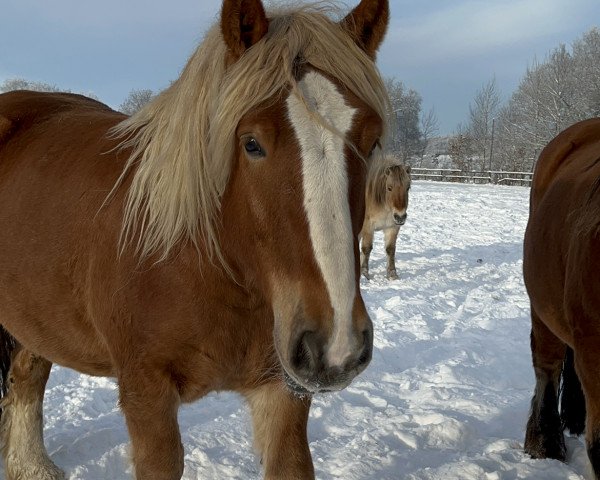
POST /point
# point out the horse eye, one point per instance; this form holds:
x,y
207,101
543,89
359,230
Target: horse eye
x,y
253,148
389,189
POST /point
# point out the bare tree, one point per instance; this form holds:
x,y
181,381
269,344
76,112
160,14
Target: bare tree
x,y
552,95
22,84
429,127
586,62
135,101
482,114
11,84
405,134
460,148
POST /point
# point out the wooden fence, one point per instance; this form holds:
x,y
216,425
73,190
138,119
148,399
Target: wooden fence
x,y
461,176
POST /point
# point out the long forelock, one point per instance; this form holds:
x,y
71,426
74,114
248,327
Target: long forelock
x,y
182,143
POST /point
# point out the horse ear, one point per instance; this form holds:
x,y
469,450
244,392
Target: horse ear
x,y
388,170
243,23
367,24
407,169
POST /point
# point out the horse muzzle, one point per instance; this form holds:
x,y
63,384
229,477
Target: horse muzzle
x,y
399,219
309,370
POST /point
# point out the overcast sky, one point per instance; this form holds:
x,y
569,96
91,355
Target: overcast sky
x,y
444,49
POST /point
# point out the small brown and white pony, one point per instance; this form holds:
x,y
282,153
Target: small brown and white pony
x,y
188,248
386,200
561,264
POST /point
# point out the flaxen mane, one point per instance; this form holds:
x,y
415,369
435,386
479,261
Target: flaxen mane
x,y
183,141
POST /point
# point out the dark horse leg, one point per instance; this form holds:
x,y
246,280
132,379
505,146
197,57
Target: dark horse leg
x,y
25,456
587,358
390,235
280,418
149,400
572,400
544,436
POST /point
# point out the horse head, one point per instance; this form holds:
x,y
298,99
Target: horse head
x,y
295,194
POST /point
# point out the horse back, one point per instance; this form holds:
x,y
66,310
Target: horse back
x,y
569,148
21,109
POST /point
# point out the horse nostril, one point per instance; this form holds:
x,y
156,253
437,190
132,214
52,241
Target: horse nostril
x,y
306,355
365,356
399,219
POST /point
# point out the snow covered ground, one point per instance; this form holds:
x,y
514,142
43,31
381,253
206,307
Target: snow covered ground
x,y
446,395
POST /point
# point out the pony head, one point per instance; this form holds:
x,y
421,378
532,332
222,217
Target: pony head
x,y
397,184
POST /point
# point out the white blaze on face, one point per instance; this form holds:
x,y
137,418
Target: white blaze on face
x,y
326,199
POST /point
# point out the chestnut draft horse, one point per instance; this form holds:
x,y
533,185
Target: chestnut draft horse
x,y
562,274
386,199
209,242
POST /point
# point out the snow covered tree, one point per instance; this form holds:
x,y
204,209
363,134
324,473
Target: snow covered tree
x,y
405,134
586,63
482,114
429,126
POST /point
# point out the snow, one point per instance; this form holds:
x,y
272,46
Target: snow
x,y
446,395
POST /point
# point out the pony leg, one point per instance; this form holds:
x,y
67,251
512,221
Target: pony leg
x,y
390,235
149,401
365,252
544,436
25,457
280,418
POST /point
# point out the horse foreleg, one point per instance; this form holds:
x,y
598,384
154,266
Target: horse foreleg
x,y
544,436
280,418
390,235
149,401
365,251
25,457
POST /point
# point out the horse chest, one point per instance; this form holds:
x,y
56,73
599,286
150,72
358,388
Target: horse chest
x,y
382,219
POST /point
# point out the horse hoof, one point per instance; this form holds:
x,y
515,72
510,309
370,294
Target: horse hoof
x,y
547,447
393,276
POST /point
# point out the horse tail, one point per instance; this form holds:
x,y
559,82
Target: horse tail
x,y
7,346
572,401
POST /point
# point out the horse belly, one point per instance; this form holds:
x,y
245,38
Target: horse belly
x,y
39,313
41,306
48,198
60,341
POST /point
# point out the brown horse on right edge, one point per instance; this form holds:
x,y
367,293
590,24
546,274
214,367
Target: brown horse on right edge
x,y
561,265
386,201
